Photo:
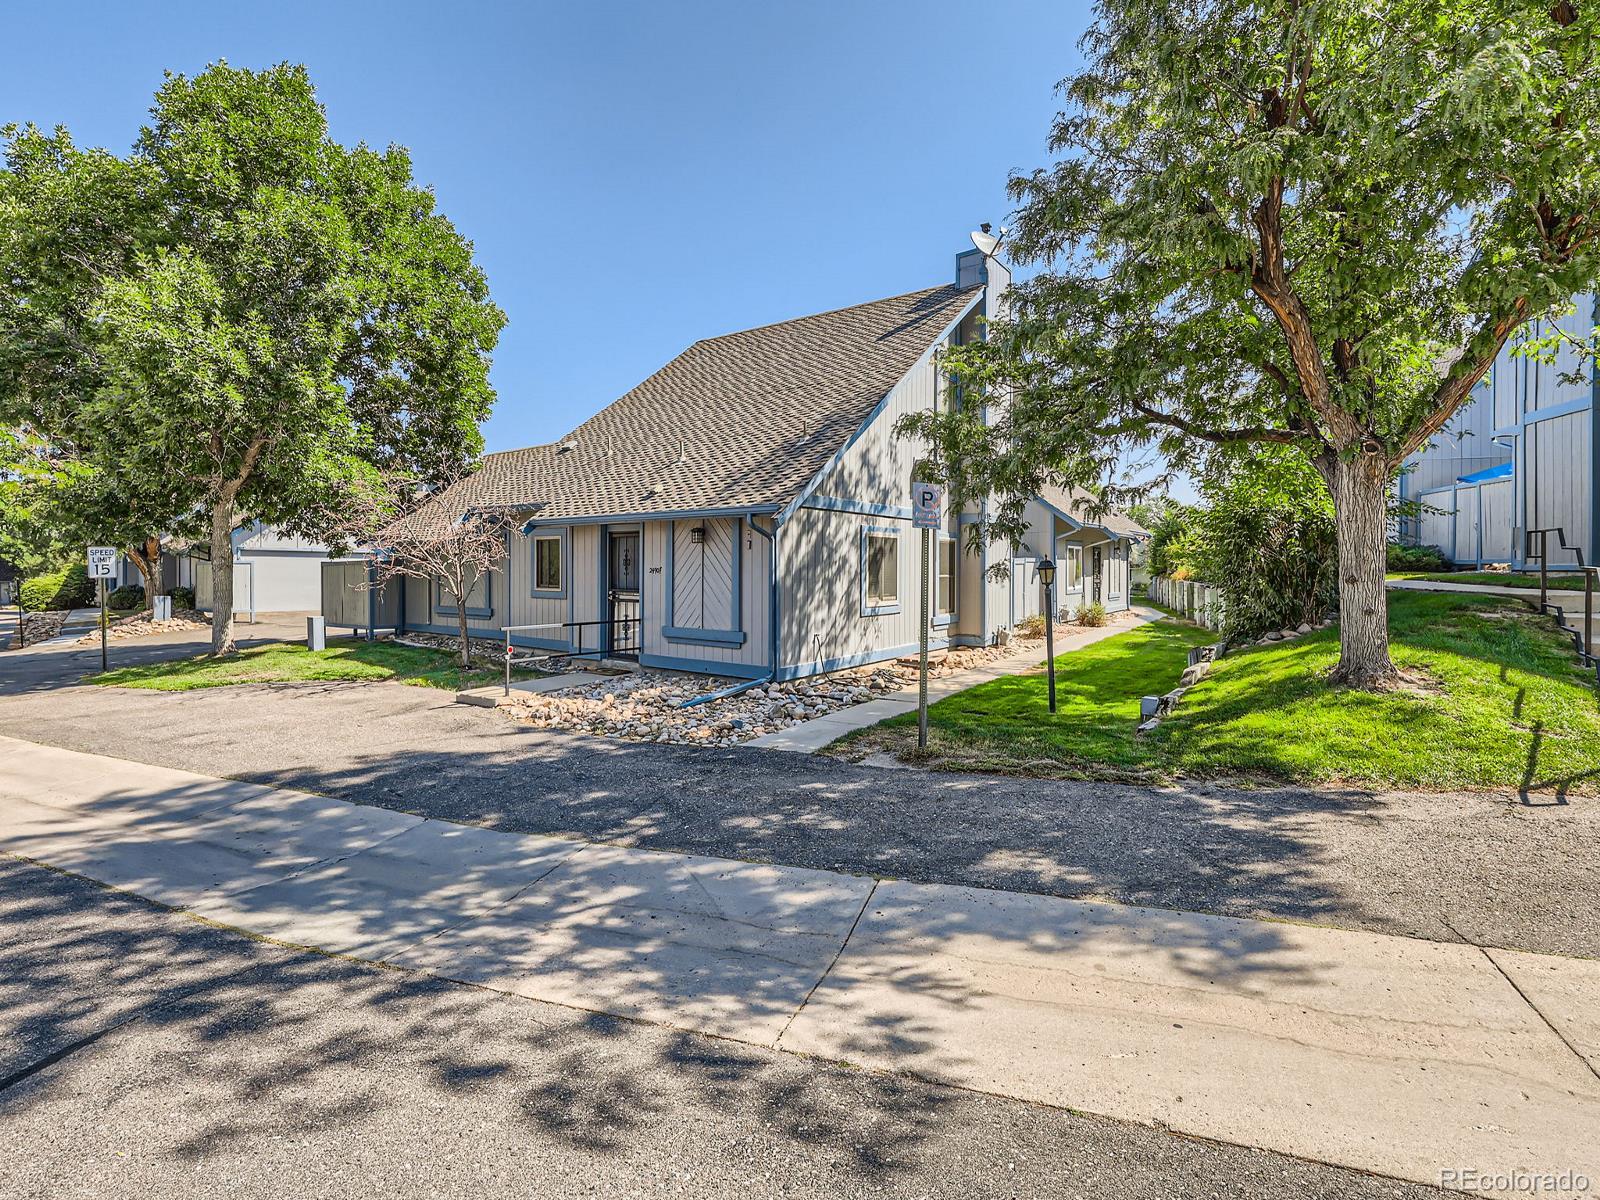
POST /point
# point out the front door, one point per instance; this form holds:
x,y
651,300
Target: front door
x,y
1095,564
625,572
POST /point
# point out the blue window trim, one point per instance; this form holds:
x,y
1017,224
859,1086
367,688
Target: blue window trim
x,y
879,610
945,620
440,606
734,635
534,589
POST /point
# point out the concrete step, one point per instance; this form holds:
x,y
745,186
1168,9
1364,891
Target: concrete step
x,y
494,695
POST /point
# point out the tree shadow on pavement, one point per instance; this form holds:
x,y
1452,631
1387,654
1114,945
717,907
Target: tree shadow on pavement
x,y
224,1059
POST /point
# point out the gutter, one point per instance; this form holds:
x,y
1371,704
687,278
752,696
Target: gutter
x,y
772,625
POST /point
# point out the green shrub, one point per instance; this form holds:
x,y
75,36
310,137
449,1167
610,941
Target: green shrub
x,y
1093,615
69,588
1171,542
1267,541
1416,558
129,595
182,598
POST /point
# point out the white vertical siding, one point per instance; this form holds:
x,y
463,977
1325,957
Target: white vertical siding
x,y
823,573
1496,522
1558,480
705,601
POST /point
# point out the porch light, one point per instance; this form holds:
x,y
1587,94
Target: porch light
x,y
697,535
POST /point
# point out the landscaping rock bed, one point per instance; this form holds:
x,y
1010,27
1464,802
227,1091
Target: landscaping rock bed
x,y
645,707
38,626
140,625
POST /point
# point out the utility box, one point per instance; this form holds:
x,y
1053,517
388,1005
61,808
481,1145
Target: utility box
x,y
1149,707
161,608
316,633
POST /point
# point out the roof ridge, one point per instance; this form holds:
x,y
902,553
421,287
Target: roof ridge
x,y
828,312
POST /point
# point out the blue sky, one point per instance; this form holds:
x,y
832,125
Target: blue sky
x,y
634,176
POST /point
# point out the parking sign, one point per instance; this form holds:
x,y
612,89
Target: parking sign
x,y
102,562
927,505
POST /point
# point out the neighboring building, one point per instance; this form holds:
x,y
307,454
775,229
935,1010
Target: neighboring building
x,y
273,572
1520,455
745,511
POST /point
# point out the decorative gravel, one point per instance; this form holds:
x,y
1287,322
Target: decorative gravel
x,y
645,707
140,625
37,626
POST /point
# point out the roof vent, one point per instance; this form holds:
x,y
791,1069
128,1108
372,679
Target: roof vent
x,y
567,447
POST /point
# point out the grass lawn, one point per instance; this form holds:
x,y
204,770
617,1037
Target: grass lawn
x,y
1567,582
288,662
1502,705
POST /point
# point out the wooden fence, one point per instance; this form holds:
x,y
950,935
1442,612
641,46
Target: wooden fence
x,y
1200,602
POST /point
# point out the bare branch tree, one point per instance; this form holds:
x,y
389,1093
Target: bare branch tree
x,y
430,534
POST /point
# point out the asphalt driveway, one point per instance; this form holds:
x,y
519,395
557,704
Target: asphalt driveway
x,y
1489,869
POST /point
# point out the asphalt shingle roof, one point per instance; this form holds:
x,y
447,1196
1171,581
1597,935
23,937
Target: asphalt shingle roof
x,y
742,420
1080,506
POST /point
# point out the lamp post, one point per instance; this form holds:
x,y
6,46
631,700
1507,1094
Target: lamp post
x,y
1047,576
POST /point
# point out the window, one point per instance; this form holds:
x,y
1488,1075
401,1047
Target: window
x,y
945,596
547,562
1069,569
881,571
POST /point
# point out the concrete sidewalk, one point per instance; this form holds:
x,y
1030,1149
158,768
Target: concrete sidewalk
x,y
808,737
1392,1055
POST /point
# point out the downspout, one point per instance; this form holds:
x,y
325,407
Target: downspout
x,y
772,623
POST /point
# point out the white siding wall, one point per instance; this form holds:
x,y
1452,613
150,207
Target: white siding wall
x,y
706,571
822,565
288,581
1557,479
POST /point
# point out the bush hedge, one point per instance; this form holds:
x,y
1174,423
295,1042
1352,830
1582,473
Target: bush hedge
x,y
182,598
1093,615
1416,558
69,588
129,595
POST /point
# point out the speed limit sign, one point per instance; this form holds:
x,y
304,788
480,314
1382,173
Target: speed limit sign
x,y
102,562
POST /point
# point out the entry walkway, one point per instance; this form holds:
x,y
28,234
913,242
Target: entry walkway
x,y
1394,1055
808,737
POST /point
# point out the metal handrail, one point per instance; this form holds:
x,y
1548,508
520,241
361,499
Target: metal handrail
x,y
1584,640
576,651
1544,555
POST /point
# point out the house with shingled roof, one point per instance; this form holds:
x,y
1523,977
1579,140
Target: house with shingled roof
x,y
745,511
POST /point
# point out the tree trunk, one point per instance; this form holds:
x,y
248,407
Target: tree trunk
x,y
222,577
1360,509
148,559
461,623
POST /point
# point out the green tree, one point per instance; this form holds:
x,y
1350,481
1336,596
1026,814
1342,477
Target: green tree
x,y
1265,537
253,317
1281,223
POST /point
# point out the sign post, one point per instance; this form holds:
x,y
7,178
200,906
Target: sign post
x,y
102,566
927,504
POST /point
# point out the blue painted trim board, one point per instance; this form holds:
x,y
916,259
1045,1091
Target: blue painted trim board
x,y
561,533
845,662
879,610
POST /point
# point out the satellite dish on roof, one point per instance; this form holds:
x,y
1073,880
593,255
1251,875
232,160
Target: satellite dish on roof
x,y
986,241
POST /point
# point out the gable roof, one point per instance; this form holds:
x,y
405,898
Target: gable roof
x,y
740,421
1078,505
